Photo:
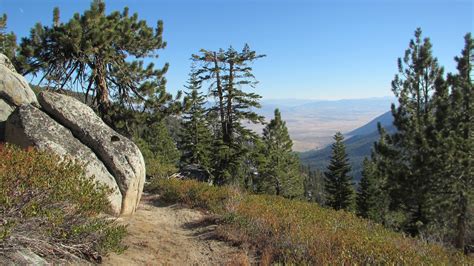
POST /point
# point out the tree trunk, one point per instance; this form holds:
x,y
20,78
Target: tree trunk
x,y
230,85
102,95
220,95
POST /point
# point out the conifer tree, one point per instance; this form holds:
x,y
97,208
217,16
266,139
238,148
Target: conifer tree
x,y
338,184
102,55
159,150
455,165
279,173
196,138
462,171
228,72
370,199
8,44
409,152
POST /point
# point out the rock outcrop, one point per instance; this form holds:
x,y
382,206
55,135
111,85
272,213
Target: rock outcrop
x,y
121,156
67,127
14,91
28,126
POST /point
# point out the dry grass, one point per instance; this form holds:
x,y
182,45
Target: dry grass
x,y
297,232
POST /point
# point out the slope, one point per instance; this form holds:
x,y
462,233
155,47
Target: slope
x,y
358,146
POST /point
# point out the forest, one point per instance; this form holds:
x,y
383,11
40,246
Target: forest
x,y
418,180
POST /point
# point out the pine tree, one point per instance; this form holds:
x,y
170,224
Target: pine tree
x,y
196,137
159,150
228,72
8,44
455,165
409,152
279,173
462,172
338,184
102,54
370,199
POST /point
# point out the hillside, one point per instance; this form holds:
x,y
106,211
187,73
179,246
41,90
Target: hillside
x,y
386,120
275,230
312,123
359,144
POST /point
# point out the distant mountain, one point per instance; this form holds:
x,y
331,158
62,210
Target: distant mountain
x,y
385,119
312,123
358,146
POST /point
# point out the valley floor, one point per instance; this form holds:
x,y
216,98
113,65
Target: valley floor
x,y
161,234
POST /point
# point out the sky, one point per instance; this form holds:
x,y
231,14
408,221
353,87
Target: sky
x,y
327,49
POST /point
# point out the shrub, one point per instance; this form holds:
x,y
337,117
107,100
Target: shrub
x,y
297,232
193,193
48,205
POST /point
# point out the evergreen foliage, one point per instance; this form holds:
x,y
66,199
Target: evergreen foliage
x,y
410,177
196,137
427,163
313,185
227,72
279,171
8,44
159,151
338,184
461,167
102,54
370,196
454,127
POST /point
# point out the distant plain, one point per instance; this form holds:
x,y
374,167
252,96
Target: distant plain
x,y
312,123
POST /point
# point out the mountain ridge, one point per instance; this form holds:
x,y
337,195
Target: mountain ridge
x,y
359,144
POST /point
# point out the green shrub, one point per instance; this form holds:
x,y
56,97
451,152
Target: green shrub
x,y
297,232
48,205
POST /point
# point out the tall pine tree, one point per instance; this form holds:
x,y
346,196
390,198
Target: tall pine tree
x,y
455,165
196,137
101,55
338,184
408,152
228,72
462,171
279,172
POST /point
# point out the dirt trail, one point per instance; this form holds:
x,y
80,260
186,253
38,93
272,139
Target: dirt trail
x,y
171,235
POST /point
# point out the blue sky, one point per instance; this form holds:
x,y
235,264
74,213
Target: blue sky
x,y
315,49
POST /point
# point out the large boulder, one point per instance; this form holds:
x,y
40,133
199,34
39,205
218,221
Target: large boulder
x,y
28,126
120,155
13,87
